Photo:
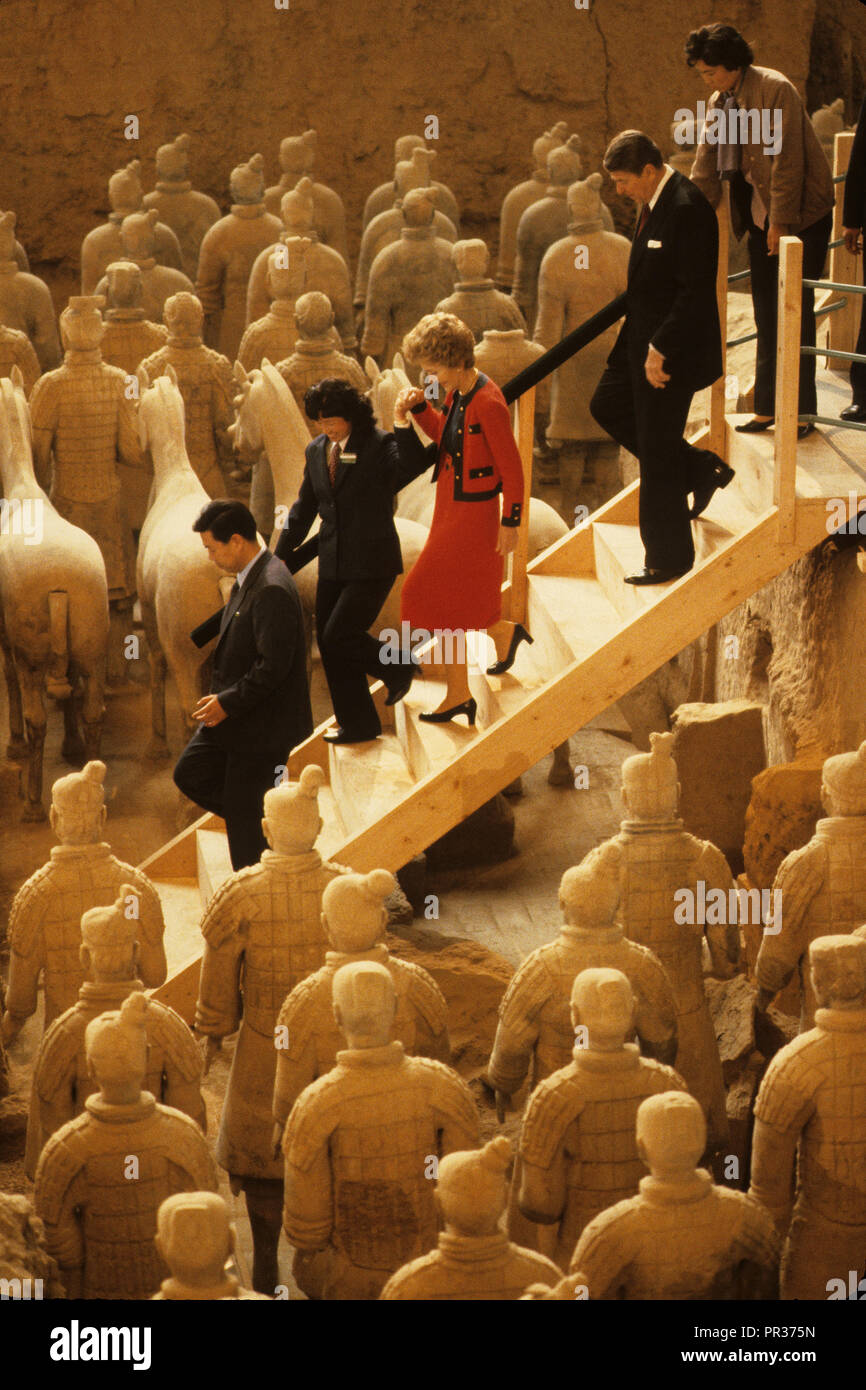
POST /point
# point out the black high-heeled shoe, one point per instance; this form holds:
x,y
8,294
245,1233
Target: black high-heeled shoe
x,y
518,635
754,426
442,716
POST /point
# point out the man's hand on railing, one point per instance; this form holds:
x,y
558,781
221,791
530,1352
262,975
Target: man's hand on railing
x,y
654,368
853,243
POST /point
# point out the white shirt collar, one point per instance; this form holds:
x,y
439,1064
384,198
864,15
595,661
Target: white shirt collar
x,y
242,574
668,171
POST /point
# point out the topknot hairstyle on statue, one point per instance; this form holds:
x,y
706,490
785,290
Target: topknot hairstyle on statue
x,y
77,787
353,906
656,768
838,965
116,1042
471,1186
844,778
719,46
277,799
442,339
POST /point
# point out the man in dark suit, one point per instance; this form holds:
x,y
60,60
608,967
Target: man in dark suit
x,y
668,348
853,222
259,706
351,473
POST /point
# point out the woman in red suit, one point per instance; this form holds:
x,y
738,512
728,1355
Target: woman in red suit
x,y
455,584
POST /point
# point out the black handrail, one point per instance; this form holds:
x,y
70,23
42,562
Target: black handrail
x,y
565,348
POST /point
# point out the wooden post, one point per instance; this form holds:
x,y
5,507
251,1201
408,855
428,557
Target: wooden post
x,y
842,326
717,439
524,427
787,382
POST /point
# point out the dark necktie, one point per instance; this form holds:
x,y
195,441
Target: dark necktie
x,y
642,220
233,592
333,460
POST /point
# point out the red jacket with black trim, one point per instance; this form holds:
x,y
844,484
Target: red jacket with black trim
x,y
486,460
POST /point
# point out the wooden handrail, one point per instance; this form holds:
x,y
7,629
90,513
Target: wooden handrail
x,y
524,430
717,440
842,327
787,382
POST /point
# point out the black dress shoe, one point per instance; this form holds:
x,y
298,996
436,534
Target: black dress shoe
x,y
404,684
646,576
804,430
518,635
754,426
720,477
442,716
854,412
341,736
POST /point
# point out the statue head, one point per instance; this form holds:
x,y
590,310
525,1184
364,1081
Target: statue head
x,y
354,914
116,1047
109,948
838,969
602,1001
291,821
297,210
125,287
287,268
550,140
413,172
124,188
419,206
828,120
365,1002
650,785
7,236
247,181
195,1238
405,144
138,234
81,323
471,258
589,893
584,204
564,163
471,1190
843,784
78,809
172,161
298,153
671,1134
313,314
183,315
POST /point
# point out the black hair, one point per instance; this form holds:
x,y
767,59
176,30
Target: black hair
x,y
719,46
630,152
225,518
333,397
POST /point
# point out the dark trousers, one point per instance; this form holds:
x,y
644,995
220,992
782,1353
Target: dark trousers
x,y
344,611
765,301
858,369
231,783
649,422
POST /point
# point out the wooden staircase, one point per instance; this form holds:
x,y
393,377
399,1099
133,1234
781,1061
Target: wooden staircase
x,y
595,638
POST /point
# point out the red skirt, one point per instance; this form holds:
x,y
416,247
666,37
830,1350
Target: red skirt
x,y
456,582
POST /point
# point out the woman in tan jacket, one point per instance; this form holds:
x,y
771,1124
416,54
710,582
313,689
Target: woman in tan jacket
x,y
780,183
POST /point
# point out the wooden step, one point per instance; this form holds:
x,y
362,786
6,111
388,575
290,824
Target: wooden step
x,y
427,747
367,779
619,551
573,613
214,862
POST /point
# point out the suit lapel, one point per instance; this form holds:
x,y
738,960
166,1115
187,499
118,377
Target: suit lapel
x,y
237,600
343,468
653,223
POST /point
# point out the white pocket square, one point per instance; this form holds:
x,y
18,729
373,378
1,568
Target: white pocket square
x,y
653,245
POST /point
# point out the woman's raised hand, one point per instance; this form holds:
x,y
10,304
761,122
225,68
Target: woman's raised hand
x,y
409,396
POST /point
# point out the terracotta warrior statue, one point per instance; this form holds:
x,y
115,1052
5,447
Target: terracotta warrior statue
x,y
657,859
16,350
473,1259
809,1146
180,206
362,1145
577,1148
84,426
275,334
578,276
204,379
324,268
535,1032
681,1237
407,280
105,243
828,122
382,198
543,223
45,917
476,300
25,300
103,1176
22,1248
387,227
62,1083
822,885
522,196
263,933
314,356
354,917
138,244
196,1239
297,157
228,252
502,353
129,336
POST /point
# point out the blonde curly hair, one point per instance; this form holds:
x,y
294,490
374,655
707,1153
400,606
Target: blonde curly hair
x,y
441,339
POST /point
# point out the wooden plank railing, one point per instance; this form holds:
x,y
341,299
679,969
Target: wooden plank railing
x,y
717,438
524,429
842,326
787,382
